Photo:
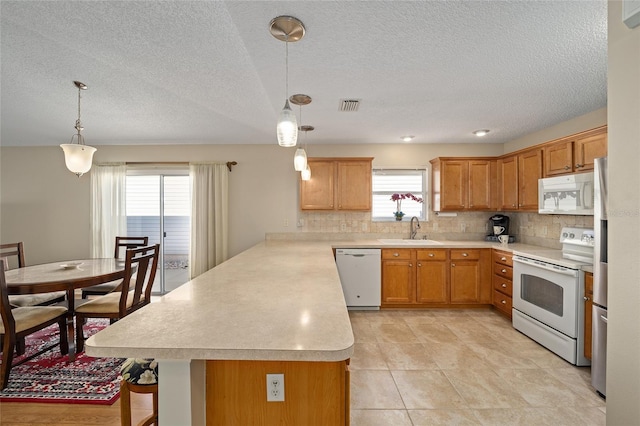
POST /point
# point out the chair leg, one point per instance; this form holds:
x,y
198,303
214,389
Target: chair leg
x,y
21,346
8,344
64,339
125,404
79,334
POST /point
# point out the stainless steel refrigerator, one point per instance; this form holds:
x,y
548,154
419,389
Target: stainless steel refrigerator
x,y
600,281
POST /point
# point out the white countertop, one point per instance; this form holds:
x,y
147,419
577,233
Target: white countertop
x,y
276,301
279,300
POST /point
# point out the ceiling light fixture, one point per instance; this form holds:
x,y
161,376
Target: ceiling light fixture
x,y
305,174
300,157
78,156
408,138
287,29
481,133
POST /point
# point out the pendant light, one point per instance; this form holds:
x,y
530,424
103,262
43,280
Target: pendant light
x,y
78,156
300,157
287,29
305,174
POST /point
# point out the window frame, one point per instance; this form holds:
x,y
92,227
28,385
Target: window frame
x,y
400,171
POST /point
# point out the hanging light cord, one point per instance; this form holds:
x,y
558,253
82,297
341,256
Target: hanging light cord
x,y
286,61
78,126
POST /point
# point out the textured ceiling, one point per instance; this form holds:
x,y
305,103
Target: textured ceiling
x,y
210,71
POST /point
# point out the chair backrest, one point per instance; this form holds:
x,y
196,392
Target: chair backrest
x,y
129,243
8,321
140,269
7,251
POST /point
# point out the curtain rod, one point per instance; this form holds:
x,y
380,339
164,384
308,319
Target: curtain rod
x,y
230,164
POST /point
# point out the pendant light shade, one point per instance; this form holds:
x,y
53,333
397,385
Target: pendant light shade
x,y
287,128
306,173
78,157
300,160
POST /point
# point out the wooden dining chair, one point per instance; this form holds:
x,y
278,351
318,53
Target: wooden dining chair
x,y
133,293
13,255
20,322
139,375
122,243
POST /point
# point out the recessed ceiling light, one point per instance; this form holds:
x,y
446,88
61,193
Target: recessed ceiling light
x,y
481,133
407,138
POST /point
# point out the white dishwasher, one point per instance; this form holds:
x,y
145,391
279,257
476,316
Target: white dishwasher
x,y
359,271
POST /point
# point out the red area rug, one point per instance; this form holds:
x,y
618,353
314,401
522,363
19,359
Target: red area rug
x,y
50,377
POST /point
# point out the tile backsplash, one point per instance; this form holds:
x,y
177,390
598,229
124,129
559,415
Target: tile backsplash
x,y
528,228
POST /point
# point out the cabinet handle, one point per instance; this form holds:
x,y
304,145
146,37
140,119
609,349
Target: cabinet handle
x,y
513,205
504,271
504,302
579,166
419,264
453,265
411,265
396,254
430,254
567,167
464,255
504,285
503,258
586,299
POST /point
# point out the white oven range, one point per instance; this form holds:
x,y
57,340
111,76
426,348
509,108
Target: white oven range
x,y
548,294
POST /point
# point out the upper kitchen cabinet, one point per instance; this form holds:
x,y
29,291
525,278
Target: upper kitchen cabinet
x,y
463,184
575,154
337,184
518,180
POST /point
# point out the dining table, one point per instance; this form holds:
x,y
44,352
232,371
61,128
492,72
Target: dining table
x,y
64,276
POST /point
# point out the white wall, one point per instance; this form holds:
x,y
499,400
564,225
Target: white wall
x,y
623,351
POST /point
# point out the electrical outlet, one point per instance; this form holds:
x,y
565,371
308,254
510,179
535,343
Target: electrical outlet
x,y
286,223
343,226
275,387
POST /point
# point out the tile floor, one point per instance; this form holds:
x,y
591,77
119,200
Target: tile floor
x,y
462,367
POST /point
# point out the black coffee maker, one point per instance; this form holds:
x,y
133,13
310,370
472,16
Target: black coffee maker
x,y
501,221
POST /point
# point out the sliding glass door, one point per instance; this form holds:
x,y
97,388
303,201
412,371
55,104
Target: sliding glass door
x,y
158,206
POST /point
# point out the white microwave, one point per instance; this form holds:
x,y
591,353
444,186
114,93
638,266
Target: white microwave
x,y
568,194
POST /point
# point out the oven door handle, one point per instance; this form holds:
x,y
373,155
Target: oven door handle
x,y
543,265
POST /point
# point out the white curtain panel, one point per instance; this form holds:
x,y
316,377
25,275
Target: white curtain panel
x,y
108,207
209,216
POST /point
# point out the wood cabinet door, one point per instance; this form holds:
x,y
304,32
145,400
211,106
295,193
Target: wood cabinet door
x,y
317,193
558,158
465,281
508,183
529,171
589,148
354,185
398,282
588,315
431,281
454,180
479,184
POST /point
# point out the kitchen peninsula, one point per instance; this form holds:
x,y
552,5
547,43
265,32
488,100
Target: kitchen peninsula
x,y
275,308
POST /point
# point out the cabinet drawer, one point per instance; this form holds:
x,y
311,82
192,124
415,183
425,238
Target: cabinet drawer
x,y
503,258
432,254
502,285
396,254
462,254
503,271
502,302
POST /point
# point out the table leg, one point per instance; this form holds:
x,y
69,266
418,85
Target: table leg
x,y
71,335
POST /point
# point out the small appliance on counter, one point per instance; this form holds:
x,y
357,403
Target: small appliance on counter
x,y
498,225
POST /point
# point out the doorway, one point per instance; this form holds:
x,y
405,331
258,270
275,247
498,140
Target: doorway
x,y
159,206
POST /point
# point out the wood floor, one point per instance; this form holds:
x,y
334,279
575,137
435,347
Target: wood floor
x,y
22,414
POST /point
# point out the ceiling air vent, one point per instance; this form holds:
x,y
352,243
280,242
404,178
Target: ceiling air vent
x,y
349,105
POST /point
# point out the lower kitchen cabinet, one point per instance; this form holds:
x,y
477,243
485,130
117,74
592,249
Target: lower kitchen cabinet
x,y
588,314
502,281
435,277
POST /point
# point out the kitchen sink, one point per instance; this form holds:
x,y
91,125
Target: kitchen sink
x,y
408,242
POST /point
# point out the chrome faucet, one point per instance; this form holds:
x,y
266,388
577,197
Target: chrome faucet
x,y
414,230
